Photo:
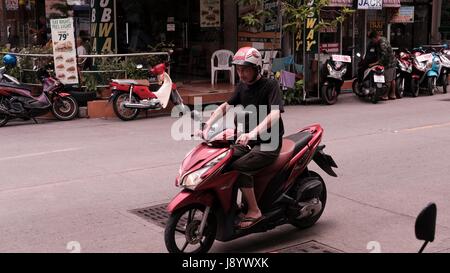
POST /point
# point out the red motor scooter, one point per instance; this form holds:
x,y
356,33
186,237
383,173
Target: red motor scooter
x,y
129,96
207,208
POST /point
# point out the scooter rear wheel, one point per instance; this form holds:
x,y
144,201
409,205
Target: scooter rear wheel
x,y
181,230
329,94
322,196
123,113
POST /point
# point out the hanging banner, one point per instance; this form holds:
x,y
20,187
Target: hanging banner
x,y
12,5
103,28
64,50
312,35
209,13
271,23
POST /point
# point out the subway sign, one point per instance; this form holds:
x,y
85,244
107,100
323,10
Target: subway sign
x,y
370,4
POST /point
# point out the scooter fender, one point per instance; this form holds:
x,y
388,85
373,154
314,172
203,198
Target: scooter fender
x,y
187,197
432,73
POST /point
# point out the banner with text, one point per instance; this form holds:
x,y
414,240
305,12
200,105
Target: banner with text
x,y
64,50
102,26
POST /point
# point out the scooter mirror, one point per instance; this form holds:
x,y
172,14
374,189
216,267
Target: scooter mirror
x,y
35,68
358,55
426,224
139,66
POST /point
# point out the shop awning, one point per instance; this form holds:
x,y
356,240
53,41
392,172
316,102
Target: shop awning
x,y
340,3
391,3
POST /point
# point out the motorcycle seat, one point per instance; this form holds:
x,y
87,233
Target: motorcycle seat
x,y
126,82
13,85
300,140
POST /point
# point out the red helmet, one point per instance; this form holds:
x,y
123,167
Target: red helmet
x,y
248,56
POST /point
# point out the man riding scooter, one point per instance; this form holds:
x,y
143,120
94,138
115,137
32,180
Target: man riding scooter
x,y
251,152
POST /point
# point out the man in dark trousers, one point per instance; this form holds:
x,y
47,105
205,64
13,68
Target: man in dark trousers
x,y
258,147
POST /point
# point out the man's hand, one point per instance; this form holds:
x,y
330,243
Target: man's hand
x,y
203,133
245,138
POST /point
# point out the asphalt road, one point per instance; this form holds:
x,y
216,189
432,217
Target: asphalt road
x,y
68,186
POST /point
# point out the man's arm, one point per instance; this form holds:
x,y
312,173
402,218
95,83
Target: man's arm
x,y
267,123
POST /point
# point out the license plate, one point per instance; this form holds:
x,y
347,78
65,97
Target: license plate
x,y
378,78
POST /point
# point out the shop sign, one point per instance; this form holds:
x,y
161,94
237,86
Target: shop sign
x,y
209,13
64,50
271,23
12,4
404,14
102,25
370,4
330,48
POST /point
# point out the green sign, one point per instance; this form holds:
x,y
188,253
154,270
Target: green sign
x,y
103,26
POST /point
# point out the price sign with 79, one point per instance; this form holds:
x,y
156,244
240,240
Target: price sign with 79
x,y
63,36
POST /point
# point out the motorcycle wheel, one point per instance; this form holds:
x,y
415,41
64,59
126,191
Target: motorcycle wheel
x,y
3,120
431,86
65,108
399,90
415,88
355,88
181,230
329,94
123,113
310,221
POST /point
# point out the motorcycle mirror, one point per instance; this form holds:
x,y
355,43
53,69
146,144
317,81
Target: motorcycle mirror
x,y
35,68
358,54
139,66
425,226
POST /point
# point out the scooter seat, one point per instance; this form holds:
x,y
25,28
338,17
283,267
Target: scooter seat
x,y
300,140
286,153
13,85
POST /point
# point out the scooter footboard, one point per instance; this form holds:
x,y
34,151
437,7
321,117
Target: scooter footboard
x,y
186,198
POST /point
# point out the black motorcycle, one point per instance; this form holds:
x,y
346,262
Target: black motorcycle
x,y
373,85
332,75
17,101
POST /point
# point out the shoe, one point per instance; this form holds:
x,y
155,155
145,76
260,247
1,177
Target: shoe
x,y
251,220
392,98
384,98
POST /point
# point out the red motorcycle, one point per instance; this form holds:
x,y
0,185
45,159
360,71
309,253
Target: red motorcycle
x,y
207,208
17,102
129,97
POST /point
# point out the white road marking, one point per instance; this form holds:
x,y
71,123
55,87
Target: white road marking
x,y
39,154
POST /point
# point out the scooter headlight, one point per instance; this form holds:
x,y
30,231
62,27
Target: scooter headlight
x,y
193,179
329,68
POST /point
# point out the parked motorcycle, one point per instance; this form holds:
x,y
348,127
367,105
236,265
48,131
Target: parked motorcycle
x,y
332,75
129,97
373,85
403,76
444,56
207,207
16,101
426,70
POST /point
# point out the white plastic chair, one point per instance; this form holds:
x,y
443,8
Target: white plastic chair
x,y
267,61
224,58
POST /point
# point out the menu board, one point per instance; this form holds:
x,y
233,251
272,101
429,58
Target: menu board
x,y
209,13
64,50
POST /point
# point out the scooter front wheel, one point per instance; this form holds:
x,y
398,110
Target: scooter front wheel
x,y
182,231
329,94
123,113
65,108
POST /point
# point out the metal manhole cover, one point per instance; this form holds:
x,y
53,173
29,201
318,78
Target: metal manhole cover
x,y
308,247
156,214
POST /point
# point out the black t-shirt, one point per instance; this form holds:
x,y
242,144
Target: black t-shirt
x,y
373,52
265,92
